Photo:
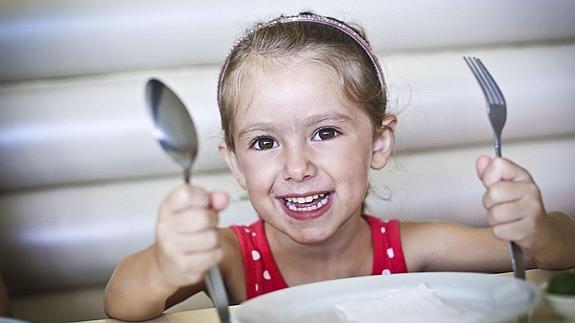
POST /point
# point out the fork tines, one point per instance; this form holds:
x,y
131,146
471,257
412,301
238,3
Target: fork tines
x,y
490,88
496,106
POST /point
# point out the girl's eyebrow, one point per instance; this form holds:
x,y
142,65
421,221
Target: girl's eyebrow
x,y
256,127
336,118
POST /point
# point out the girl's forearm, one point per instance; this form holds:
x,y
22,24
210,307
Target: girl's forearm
x,y
559,251
135,291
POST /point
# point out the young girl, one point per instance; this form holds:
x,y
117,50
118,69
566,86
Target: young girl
x,y
303,109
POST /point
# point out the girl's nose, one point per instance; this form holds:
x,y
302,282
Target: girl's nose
x,y
298,165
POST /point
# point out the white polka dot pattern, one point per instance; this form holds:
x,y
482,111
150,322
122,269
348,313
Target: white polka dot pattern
x,y
386,272
390,253
267,275
255,255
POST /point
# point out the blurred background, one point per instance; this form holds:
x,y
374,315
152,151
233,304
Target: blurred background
x,y
81,176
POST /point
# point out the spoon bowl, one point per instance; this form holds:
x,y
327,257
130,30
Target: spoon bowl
x,y
173,127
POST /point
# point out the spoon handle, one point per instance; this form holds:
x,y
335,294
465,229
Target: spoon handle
x,y
187,174
213,280
217,291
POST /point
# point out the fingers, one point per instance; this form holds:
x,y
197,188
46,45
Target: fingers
x,y
187,242
513,196
516,219
517,231
502,214
186,210
507,192
493,170
513,202
185,196
528,232
481,164
200,262
507,183
190,220
219,200
189,268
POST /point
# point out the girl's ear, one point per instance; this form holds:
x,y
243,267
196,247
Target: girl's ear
x,y
230,158
383,142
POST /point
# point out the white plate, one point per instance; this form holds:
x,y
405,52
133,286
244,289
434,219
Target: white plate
x,y
502,298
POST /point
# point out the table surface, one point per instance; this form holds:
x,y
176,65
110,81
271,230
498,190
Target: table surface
x,y
542,313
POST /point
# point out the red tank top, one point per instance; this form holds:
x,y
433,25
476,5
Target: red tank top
x,y
262,274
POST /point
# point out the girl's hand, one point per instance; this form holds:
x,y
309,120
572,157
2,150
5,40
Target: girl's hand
x,y
187,239
514,206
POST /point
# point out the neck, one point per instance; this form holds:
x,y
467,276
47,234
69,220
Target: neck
x,y
328,259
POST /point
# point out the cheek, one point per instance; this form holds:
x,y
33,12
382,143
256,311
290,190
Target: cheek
x,y
354,172
351,158
259,173
348,167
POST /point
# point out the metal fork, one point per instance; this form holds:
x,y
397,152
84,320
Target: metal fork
x,y
497,112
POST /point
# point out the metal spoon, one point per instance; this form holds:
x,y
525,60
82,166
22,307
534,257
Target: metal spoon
x,y
174,129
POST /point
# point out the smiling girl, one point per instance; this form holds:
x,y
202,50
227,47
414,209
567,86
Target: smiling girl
x,y
303,107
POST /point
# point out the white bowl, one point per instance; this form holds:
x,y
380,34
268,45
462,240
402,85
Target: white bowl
x,y
563,305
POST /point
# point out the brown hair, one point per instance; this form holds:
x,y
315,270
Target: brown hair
x,y
359,76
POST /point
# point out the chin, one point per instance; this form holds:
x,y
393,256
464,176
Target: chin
x,y
310,236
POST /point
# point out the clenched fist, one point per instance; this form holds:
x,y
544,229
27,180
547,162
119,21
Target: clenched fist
x,y
187,235
513,202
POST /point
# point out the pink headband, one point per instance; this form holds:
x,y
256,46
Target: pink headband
x,y
312,18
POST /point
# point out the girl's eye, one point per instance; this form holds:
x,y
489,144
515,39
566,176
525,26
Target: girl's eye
x,y
264,143
325,134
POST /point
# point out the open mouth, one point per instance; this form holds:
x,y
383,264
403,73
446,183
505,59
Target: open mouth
x,y
307,203
307,207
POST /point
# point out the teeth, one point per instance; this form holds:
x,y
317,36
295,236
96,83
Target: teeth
x,y
291,202
305,199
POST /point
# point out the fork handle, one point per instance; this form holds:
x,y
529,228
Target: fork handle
x,y
517,260
497,146
514,250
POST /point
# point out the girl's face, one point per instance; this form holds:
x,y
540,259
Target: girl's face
x,y
303,151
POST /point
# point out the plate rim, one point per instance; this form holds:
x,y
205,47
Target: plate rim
x,y
532,291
